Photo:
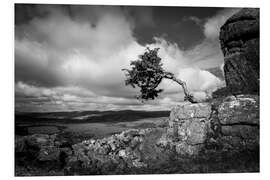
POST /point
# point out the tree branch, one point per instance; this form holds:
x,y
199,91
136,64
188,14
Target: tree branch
x,y
188,96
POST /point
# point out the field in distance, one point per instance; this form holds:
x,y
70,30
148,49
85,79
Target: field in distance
x,y
80,125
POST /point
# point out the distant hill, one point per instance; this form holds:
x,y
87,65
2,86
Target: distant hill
x,y
88,116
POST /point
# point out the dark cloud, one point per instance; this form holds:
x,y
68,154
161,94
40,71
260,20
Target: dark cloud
x,y
170,21
70,57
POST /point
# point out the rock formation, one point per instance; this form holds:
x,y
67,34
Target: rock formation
x,y
238,121
239,39
197,136
124,153
188,128
116,153
230,124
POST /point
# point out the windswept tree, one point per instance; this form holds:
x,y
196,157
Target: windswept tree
x,y
147,73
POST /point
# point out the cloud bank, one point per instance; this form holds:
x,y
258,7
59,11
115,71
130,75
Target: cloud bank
x,y
72,60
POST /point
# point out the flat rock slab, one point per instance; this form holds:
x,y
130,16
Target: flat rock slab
x,y
188,128
187,111
242,109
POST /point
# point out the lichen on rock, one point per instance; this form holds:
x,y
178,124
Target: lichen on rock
x,y
188,128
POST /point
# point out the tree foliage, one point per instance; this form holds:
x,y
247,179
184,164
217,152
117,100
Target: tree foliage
x,y
147,73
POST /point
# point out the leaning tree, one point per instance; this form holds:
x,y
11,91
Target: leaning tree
x,y
147,73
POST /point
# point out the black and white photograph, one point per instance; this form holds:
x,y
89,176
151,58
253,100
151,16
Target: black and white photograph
x,y
135,89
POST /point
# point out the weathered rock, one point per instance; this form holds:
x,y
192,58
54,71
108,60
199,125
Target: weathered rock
x,y
122,153
191,134
139,164
242,131
239,39
242,109
186,111
49,154
188,128
238,121
196,131
183,148
230,123
233,144
116,152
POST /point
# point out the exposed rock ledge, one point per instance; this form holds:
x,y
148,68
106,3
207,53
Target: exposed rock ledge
x,y
230,124
239,40
188,128
210,131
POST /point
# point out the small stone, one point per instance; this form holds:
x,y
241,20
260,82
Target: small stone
x,y
122,153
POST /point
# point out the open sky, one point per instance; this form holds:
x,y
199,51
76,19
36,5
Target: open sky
x,y
69,57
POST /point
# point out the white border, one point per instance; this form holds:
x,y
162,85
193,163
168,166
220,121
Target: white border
x,y
7,83
212,3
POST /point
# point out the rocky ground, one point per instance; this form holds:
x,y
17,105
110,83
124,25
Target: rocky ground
x,y
218,136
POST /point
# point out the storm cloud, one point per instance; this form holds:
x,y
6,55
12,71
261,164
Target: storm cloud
x,y
70,57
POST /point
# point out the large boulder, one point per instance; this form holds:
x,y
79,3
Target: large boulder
x,y
231,124
239,121
239,39
241,109
188,128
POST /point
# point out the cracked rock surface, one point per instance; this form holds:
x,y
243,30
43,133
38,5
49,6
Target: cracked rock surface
x,y
188,128
238,118
239,39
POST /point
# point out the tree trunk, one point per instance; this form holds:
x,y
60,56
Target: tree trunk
x,y
188,97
